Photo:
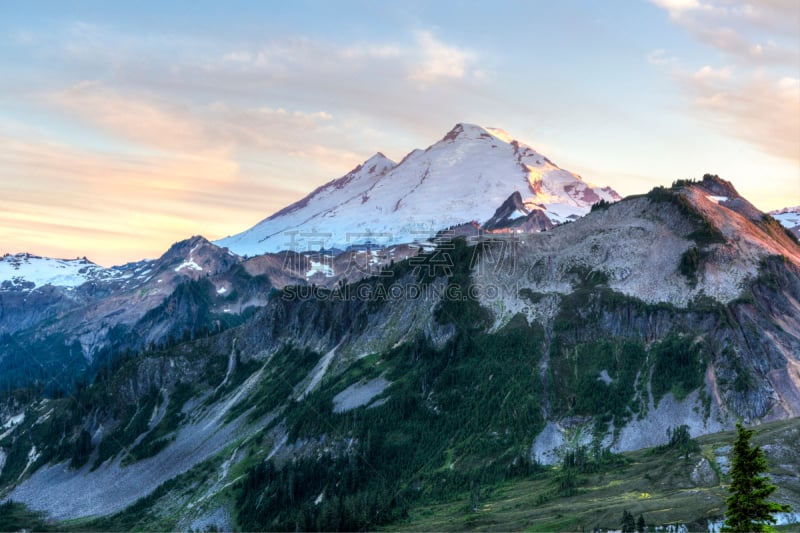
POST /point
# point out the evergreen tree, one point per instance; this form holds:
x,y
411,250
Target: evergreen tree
x,y
641,527
748,507
628,523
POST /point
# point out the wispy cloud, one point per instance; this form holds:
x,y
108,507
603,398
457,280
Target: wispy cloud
x,y
759,34
215,128
89,196
427,60
660,57
414,81
438,60
756,108
755,94
149,123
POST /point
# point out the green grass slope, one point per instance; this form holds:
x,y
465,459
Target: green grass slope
x,y
657,484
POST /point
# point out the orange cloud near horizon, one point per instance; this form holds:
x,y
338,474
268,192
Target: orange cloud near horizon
x,y
63,202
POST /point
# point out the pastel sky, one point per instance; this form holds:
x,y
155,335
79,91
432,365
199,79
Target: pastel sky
x,y
126,126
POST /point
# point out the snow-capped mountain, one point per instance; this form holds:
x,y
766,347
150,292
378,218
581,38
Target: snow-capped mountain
x,y
191,259
26,271
465,177
57,315
789,217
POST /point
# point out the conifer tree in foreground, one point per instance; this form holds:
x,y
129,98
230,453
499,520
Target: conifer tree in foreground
x,y
628,522
748,507
641,526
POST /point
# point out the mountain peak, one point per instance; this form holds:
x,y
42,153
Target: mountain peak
x,y
466,131
463,130
181,247
377,164
376,157
718,186
464,177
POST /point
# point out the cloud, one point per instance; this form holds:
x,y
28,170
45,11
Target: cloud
x,y
439,60
408,84
381,51
213,131
427,59
755,95
710,74
152,199
677,8
412,82
145,122
758,109
660,57
763,33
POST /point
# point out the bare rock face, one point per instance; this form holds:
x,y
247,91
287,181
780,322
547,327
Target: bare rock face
x,y
514,215
740,299
509,210
703,474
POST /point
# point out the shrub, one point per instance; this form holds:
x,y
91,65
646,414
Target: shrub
x,y
690,261
601,205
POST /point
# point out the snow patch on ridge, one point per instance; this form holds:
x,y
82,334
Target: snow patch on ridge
x,y
320,268
14,420
27,272
11,423
189,263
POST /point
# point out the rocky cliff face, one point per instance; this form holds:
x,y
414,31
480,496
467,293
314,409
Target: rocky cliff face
x,y
513,215
696,262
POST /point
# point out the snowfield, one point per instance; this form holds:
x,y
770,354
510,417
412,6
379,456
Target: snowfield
x,y
26,271
789,217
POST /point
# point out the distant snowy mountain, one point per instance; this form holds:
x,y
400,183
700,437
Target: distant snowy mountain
x,y
25,272
57,315
192,258
789,217
465,177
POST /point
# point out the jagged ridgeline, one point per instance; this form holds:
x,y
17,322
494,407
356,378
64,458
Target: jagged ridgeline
x,y
477,363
